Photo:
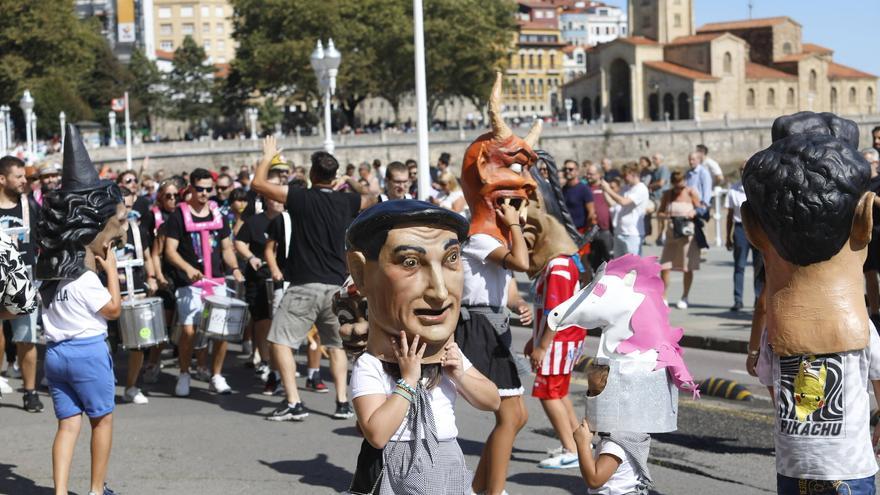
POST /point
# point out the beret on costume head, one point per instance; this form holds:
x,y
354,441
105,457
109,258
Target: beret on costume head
x,y
368,232
804,188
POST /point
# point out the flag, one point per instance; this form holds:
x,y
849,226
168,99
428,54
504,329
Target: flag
x,y
117,104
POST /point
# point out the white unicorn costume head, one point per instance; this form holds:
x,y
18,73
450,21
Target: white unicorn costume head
x,y
646,369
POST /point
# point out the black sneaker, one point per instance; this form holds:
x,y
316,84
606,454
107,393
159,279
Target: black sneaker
x,y
343,411
317,385
271,385
32,402
106,491
286,413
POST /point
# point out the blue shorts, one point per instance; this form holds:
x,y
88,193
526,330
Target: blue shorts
x,y
80,375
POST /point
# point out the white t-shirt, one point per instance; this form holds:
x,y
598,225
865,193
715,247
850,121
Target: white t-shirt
x,y
485,282
713,167
368,378
825,433
624,480
73,314
629,219
736,196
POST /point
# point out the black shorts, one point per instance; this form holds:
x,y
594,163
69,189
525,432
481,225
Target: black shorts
x,y
257,298
489,352
168,301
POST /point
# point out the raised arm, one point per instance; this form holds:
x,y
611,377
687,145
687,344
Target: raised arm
x,y
260,184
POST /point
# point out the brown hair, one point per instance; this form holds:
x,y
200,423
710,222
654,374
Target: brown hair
x,y
675,177
631,167
597,378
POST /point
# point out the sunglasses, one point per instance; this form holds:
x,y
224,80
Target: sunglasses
x,y
168,196
223,188
130,180
569,169
203,189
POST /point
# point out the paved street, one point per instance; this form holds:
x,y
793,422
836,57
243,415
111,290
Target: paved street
x,y
211,444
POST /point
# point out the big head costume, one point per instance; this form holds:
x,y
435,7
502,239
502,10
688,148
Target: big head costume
x,y
808,210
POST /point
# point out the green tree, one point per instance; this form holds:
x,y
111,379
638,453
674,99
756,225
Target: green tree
x,y
465,41
190,83
147,95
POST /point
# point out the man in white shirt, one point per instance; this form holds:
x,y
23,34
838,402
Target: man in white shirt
x,y
710,164
739,244
629,225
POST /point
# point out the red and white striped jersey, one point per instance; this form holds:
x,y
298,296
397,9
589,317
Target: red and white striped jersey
x,y
558,282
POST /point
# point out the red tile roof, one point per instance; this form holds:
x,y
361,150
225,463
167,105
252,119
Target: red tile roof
x,y
678,70
838,71
637,40
795,57
758,71
814,48
695,39
744,24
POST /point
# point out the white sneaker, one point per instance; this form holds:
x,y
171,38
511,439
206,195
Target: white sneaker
x,y
555,452
151,374
14,371
5,388
683,304
219,385
182,387
565,460
134,395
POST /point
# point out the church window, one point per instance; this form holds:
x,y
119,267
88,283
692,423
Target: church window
x,y
869,94
786,48
728,63
750,98
789,98
676,22
771,97
707,102
833,98
852,95
813,79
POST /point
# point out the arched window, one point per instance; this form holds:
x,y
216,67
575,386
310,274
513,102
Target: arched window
x,y
540,86
522,61
522,87
531,61
707,102
540,60
833,98
786,48
813,79
552,60
853,95
869,95
771,97
750,98
668,107
531,86
513,86
789,97
728,63
684,106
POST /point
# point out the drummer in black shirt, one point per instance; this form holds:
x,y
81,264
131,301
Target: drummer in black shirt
x,y
250,244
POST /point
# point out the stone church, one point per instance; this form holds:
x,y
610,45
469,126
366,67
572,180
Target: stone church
x,y
756,68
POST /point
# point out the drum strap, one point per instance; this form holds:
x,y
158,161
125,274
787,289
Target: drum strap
x,y
287,233
136,235
26,213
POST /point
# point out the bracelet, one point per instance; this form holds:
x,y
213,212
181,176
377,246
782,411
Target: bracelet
x,y
250,258
513,225
236,268
405,395
402,384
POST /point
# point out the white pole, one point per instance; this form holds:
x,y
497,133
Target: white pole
x,y
718,193
33,134
127,135
111,117
328,127
424,176
3,138
62,119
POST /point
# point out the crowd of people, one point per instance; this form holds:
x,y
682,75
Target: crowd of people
x,y
282,239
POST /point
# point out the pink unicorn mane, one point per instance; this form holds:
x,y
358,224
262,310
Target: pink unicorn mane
x,y
650,321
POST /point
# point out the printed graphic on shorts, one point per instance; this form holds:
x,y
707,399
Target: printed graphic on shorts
x,y
811,402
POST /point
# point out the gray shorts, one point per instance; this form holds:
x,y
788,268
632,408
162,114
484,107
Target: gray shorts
x,y
24,328
302,307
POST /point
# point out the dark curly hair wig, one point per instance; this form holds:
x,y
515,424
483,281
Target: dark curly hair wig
x,y
804,188
69,222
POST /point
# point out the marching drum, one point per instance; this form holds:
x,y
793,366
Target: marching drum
x,y
223,318
238,287
142,323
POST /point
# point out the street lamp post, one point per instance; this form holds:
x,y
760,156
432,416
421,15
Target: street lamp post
x,y
27,106
568,104
5,140
326,65
112,118
62,119
252,114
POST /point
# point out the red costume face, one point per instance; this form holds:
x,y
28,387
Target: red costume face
x,y
495,170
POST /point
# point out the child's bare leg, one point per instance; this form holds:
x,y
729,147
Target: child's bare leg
x,y
558,413
102,440
62,451
491,474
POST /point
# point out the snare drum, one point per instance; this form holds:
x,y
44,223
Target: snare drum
x,y
223,318
238,287
142,323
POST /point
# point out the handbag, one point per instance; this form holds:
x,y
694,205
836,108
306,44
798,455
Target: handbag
x,y
682,227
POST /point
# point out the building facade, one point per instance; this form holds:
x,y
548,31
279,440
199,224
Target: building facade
x,y
740,69
207,22
591,23
125,24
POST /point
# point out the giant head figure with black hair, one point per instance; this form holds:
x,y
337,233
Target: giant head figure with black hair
x,y
405,257
809,212
81,220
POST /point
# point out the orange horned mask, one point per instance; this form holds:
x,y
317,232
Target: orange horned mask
x,y
495,170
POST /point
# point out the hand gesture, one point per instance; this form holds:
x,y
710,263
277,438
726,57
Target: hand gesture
x,y
583,435
524,310
507,214
452,362
527,349
193,275
409,357
270,148
108,261
536,357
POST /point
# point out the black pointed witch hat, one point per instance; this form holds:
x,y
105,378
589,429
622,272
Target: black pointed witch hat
x,y
78,173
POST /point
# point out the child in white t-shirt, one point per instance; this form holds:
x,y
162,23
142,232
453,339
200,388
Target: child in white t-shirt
x,y
383,395
619,464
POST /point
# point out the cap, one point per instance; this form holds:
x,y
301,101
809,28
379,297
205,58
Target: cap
x,y
386,215
49,168
279,162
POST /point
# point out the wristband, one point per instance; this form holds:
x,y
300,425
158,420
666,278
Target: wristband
x,y
510,225
250,258
754,354
405,395
402,384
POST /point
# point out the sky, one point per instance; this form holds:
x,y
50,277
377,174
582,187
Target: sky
x,y
849,27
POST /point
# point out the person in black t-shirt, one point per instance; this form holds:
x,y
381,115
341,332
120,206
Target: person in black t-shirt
x,y
141,209
319,219
14,203
250,244
183,250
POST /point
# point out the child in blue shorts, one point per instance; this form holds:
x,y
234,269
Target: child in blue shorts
x,y
80,223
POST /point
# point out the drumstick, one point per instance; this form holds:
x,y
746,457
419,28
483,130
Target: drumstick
x,y
219,284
